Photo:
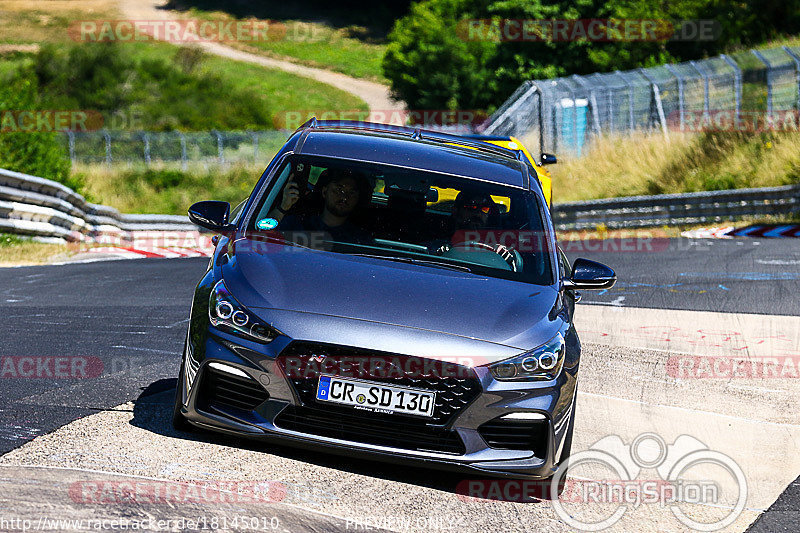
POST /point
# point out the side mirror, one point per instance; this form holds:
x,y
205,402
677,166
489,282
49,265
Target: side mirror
x,y
211,215
590,275
548,159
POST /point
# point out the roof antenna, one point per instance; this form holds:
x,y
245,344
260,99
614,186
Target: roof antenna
x,y
417,135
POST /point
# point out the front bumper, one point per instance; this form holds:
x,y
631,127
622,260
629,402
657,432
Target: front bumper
x,y
237,390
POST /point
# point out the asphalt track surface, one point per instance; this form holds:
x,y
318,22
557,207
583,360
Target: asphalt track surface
x,y
737,275
128,319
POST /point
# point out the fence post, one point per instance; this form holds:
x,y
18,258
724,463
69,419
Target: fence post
x,y
631,127
71,142
220,153
107,139
706,103
255,147
657,101
184,158
146,140
681,100
592,102
763,59
737,83
796,59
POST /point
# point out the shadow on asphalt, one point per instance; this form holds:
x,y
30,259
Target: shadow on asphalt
x,y
153,412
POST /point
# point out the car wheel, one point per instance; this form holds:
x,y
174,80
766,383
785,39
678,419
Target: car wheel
x,y
179,421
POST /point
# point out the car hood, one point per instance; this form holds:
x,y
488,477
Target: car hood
x,y
440,300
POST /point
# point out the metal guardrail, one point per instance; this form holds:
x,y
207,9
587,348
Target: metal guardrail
x,y
677,209
39,207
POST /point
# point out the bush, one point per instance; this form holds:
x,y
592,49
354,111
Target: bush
x,y
36,153
150,94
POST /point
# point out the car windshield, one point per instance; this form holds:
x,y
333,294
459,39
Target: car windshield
x,y
405,215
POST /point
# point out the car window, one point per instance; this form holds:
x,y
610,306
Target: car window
x,y
402,214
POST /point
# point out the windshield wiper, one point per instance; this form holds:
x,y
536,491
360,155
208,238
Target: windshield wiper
x,y
413,261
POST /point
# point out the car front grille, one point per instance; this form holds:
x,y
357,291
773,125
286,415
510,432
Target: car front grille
x,y
516,435
455,387
223,389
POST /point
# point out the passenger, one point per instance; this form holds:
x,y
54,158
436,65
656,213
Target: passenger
x,y
343,193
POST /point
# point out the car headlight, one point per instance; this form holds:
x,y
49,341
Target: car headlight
x,y
229,315
542,363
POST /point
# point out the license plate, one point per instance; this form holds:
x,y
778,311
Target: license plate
x,y
375,397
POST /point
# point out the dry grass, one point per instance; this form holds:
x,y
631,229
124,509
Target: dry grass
x,y
651,164
166,190
16,251
48,20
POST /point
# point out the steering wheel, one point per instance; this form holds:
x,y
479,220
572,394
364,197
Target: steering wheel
x,y
509,255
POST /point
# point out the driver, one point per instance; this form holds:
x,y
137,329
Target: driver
x,y
472,210
471,214
343,193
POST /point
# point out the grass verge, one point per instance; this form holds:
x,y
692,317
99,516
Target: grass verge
x,y
19,251
650,164
315,44
166,190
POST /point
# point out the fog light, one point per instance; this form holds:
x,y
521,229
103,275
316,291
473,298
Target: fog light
x,y
524,416
229,369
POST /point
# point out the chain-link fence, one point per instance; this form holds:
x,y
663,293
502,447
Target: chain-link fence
x,y
214,147
746,90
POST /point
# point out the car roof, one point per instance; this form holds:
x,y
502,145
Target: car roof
x,y
412,148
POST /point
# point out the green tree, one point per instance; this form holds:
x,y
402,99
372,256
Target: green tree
x,y
482,69
431,66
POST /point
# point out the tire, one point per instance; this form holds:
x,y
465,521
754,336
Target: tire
x,y
179,421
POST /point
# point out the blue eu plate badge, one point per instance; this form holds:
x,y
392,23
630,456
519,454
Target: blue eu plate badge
x,y
324,386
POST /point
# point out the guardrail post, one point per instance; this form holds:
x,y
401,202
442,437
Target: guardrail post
x,y
796,59
763,59
107,138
